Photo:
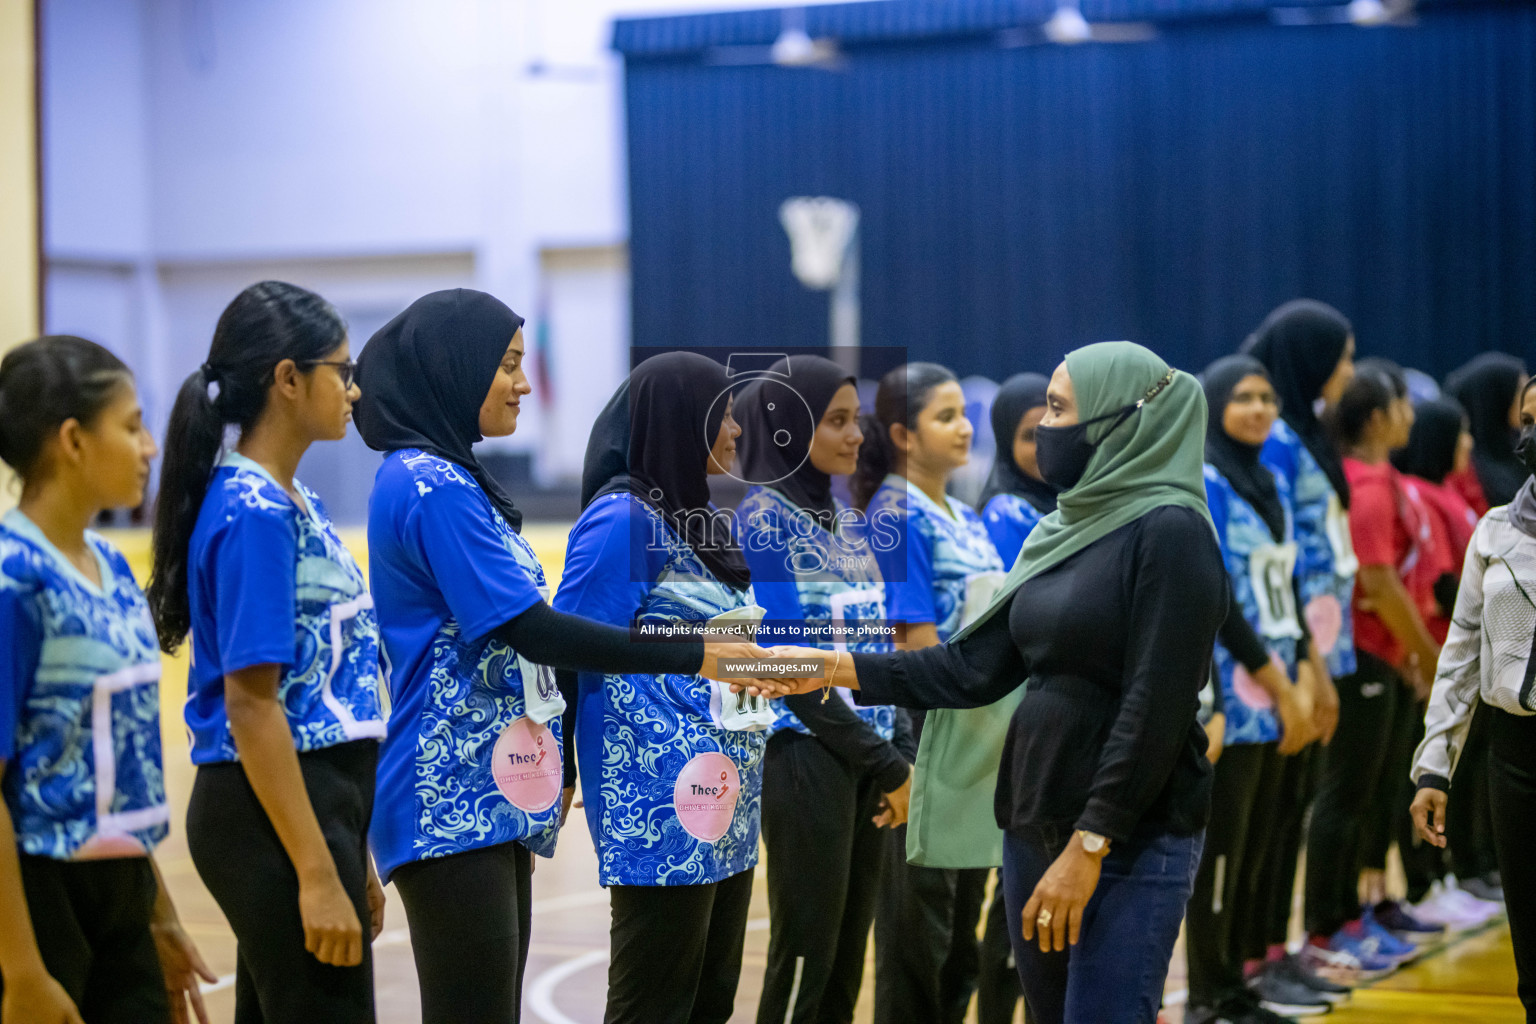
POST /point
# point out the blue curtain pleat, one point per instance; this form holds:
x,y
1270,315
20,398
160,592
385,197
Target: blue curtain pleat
x,y
1019,201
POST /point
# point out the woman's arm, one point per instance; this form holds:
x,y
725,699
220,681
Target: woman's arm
x,y
1451,702
1292,706
571,642
332,931
32,996
851,738
180,961
1384,591
981,669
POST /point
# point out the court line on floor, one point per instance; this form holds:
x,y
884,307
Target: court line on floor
x,y
541,993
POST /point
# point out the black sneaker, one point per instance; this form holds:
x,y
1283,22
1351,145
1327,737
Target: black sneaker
x,y
1292,969
1287,998
1237,1009
1246,1008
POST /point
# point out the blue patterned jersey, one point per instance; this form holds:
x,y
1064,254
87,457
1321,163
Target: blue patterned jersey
x,y
465,765
1326,557
79,701
671,797
803,573
270,583
1264,577
934,562
1008,519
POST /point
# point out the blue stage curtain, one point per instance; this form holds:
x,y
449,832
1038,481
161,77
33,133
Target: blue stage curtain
x,y
1022,200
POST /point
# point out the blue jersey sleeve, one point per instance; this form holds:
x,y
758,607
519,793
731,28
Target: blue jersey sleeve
x,y
1008,525
607,571
253,559
911,600
21,638
766,547
481,581
1216,500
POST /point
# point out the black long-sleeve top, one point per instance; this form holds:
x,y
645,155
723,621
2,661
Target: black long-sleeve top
x,y
1116,643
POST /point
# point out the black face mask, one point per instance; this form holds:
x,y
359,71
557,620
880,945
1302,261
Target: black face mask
x,y
1062,453
1525,448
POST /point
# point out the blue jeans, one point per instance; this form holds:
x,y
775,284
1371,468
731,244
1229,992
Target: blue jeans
x,y
1115,973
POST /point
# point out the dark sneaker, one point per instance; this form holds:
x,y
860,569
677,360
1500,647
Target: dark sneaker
x,y
1395,918
1292,969
1247,1009
1288,998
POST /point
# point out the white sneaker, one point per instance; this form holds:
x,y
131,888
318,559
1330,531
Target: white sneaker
x,y
1474,907
1442,906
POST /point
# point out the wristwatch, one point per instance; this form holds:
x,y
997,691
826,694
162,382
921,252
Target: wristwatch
x,y
1092,841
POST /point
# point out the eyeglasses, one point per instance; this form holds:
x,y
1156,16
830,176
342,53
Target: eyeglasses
x,y
346,368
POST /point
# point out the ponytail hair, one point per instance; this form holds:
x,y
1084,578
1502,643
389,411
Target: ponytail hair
x,y
1377,383
44,383
265,324
901,397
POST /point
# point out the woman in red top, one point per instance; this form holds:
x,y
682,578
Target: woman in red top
x,y
1439,447
1398,561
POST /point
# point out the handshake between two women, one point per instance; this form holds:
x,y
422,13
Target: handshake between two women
x,y
781,671
753,673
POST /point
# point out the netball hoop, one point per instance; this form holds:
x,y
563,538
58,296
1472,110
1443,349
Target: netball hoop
x,y
824,256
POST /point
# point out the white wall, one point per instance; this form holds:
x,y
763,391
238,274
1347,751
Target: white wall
x,y
369,149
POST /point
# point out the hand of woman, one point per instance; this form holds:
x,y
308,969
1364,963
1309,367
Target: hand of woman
x,y
35,998
734,650
375,903
786,686
332,932
1055,909
1428,813
895,805
183,968
1325,700
1215,734
1293,706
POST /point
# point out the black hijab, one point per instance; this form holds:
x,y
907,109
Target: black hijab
x,y
653,440
770,411
425,374
1017,395
1486,387
1236,461
1300,344
1431,448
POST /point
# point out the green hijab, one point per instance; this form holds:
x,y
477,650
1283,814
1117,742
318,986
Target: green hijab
x,y
1152,459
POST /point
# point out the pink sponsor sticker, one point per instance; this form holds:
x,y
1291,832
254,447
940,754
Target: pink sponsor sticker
x,y
1249,692
705,796
526,765
1325,620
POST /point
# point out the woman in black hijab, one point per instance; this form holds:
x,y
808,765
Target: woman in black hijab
x,y
1015,498
461,604
671,764
1488,388
833,774
1308,349
1267,717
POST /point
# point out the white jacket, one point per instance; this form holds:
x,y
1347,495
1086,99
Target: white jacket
x,y
1488,651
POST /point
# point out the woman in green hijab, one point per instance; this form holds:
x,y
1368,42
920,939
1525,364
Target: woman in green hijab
x,y
1101,786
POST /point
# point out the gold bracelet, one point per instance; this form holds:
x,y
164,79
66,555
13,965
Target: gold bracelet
x,y
826,687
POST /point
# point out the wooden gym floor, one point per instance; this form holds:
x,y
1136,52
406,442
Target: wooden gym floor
x,y
1471,981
